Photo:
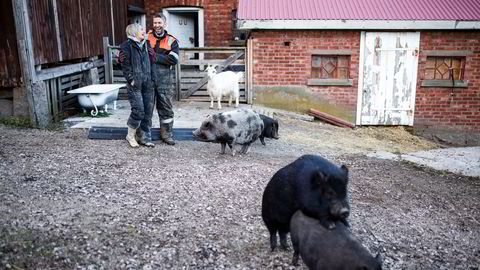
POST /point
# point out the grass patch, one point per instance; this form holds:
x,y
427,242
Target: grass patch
x,y
100,114
16,122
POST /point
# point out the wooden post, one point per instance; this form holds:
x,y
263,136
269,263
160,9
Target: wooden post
x,y
36,90
113,22
106,59
249,69
178,77
90,76
57,30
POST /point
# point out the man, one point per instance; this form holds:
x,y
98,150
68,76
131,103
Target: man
x,y
167,50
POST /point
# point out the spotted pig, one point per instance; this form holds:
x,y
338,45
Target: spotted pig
x,y
242,126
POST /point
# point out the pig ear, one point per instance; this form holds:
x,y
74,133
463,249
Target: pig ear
x,y
344,169
319,179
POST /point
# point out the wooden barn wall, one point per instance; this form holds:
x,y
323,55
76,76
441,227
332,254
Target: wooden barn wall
x,y
82,25
120,15
45,48
120,20
10,72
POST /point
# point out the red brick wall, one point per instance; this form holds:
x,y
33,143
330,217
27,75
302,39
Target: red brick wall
x,y
217,17
274,63
444,108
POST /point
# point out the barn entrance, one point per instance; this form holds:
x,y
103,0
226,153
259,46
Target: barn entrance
x,y
388,78
186,24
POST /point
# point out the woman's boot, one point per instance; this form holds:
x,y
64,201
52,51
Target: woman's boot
x,y
131,137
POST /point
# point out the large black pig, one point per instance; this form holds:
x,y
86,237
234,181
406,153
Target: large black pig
x,y
333,249
240,126
311,184
270,128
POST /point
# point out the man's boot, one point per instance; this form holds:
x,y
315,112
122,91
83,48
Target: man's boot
x,y
144,138
166,133
131,137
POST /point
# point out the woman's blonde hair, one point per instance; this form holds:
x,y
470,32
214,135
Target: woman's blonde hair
x,y
133,29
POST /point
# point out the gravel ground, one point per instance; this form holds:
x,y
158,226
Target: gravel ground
x,y
67,202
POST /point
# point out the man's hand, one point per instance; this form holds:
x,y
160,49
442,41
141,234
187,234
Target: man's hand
x,y
132,83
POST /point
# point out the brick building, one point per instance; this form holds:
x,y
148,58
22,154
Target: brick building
x,y
197,23
406,62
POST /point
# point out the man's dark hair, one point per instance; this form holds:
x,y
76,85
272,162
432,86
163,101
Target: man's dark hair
x,y
161,16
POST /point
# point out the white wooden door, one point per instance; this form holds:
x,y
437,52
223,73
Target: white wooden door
x,y
182,26
389,78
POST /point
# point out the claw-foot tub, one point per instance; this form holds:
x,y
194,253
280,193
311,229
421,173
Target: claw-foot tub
x,y
97,95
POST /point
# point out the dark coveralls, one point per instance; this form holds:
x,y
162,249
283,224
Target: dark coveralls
x,y
137,65
167,51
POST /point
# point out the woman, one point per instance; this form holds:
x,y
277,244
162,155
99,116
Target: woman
x,y
136,57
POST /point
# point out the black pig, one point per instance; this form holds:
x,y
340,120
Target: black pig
x,y
321,248
270,128
311,184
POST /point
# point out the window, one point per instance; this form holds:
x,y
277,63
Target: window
x,y
330,66
445,68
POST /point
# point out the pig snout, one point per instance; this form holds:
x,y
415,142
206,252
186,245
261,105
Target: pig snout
x,y
199,135
340,209
196,133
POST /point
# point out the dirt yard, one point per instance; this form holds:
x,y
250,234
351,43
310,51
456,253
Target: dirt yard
x,y
68,202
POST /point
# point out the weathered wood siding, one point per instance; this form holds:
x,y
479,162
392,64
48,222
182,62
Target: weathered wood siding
x,y
81,26
44,41
120,15
10,72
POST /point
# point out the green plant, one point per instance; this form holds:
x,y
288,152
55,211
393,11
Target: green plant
x,y
100,114
18,122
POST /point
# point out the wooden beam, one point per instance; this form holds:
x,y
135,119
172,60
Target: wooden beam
x,y
204,80
178,77
57,30
195,62
203,49
56,72
249,71
113,22
27,66
330,118
106,60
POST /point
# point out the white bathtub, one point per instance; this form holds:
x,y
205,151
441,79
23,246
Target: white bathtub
x,y
97,95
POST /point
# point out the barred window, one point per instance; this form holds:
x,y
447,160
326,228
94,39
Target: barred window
x,y
443,68
330,66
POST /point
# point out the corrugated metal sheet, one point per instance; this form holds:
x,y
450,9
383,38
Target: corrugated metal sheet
x,y
468,10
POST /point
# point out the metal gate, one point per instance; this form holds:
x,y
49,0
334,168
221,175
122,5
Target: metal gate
x,y
388,82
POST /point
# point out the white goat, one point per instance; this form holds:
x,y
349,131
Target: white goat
x,y
222,84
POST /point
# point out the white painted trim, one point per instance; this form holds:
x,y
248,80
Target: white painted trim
x,y
201,33
358,24
360,79
415,74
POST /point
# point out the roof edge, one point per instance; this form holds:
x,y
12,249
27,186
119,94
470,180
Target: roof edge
x,y
359,24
